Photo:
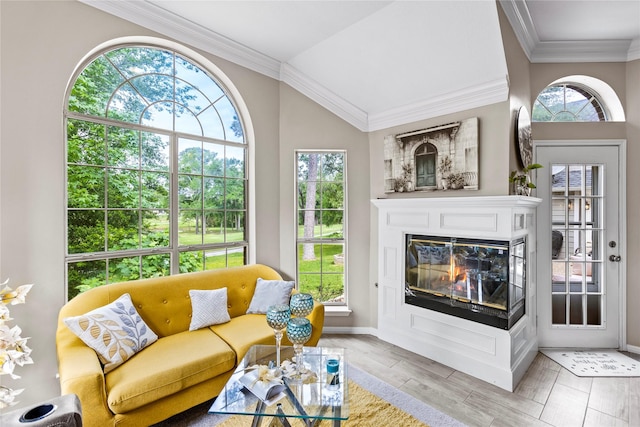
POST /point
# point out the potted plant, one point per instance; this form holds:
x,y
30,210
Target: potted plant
x,y
399,184
521,180
444,168
404,182
456,181
407,173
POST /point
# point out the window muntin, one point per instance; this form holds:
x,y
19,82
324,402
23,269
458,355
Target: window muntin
x,y
155,88
130,213
578,291
321,225
567,103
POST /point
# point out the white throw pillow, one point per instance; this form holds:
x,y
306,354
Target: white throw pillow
x,y
268,293
115,331
208,308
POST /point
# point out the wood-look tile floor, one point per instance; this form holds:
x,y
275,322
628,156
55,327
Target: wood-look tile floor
x,y
548,395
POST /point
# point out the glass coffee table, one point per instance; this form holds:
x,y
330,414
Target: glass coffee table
x,y
309,402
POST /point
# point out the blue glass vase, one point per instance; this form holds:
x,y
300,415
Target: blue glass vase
x,y
277,318
298,332
301,305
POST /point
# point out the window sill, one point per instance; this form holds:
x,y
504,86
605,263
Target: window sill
x,y
337,311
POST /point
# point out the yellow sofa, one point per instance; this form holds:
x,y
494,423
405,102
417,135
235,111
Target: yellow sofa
x,y
180,370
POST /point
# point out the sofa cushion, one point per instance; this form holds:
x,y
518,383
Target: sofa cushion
x,y
244,331
268,293
208,308
172,364
115,331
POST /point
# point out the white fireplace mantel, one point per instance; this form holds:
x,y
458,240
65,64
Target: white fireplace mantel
x,y
498,356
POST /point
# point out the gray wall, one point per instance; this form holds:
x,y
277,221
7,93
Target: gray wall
x,y
304,124
632,108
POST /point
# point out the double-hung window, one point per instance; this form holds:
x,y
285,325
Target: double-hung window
x,y
156,170
321,225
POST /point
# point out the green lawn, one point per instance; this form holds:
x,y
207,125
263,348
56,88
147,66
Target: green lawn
x,y
321,277
212,236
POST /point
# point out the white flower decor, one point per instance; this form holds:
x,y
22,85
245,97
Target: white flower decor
x,y
13,348
265,374
303,374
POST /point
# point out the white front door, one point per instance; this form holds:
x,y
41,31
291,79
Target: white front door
x,y
580,290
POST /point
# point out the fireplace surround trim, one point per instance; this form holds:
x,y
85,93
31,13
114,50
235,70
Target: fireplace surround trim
x,y
494,355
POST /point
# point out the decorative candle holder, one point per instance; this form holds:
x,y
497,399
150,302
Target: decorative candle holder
x,y
333,373
277,318
301,305
298,332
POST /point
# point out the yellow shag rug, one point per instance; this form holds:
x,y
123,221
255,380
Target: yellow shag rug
x,y
365,409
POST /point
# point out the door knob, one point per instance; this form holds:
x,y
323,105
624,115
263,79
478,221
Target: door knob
x,y
615,258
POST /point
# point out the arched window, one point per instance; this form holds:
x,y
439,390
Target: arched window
x,y
567,103
577,99
156,169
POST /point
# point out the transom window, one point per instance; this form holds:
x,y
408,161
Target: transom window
x,y
567,103
321,235
156,170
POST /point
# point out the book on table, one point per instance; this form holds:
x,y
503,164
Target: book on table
x,y
267,391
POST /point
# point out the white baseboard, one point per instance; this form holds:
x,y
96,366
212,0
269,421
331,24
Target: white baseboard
x,y
348,330
633,349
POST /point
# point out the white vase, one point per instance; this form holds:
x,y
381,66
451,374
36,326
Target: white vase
x,y
522,189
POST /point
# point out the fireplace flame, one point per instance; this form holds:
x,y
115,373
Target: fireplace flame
x,y
454,272
457,278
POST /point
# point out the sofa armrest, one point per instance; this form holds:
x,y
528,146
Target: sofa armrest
x,y
81,374
317,321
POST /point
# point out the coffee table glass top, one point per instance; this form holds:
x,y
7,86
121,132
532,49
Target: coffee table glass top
x,y
315,400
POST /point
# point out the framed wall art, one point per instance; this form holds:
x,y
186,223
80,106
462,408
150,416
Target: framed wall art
x,y
439,158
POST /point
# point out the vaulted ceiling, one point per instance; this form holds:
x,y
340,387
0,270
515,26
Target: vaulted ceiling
x,y
379,64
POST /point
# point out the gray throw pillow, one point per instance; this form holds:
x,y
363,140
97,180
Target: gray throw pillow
x,y
268,293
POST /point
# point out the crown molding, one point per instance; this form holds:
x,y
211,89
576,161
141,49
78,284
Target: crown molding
x,y
564,51
634,50
321,95
153,17
472,97
520,19
591,51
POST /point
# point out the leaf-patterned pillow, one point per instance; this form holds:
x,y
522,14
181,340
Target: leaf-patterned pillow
x,y
116,331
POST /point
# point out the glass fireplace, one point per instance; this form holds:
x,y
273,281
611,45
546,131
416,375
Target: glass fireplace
x,y
475,279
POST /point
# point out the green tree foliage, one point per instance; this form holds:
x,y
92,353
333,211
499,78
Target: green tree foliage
x,y
565,103
310,198
221,190
321,214
326,197
118,176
